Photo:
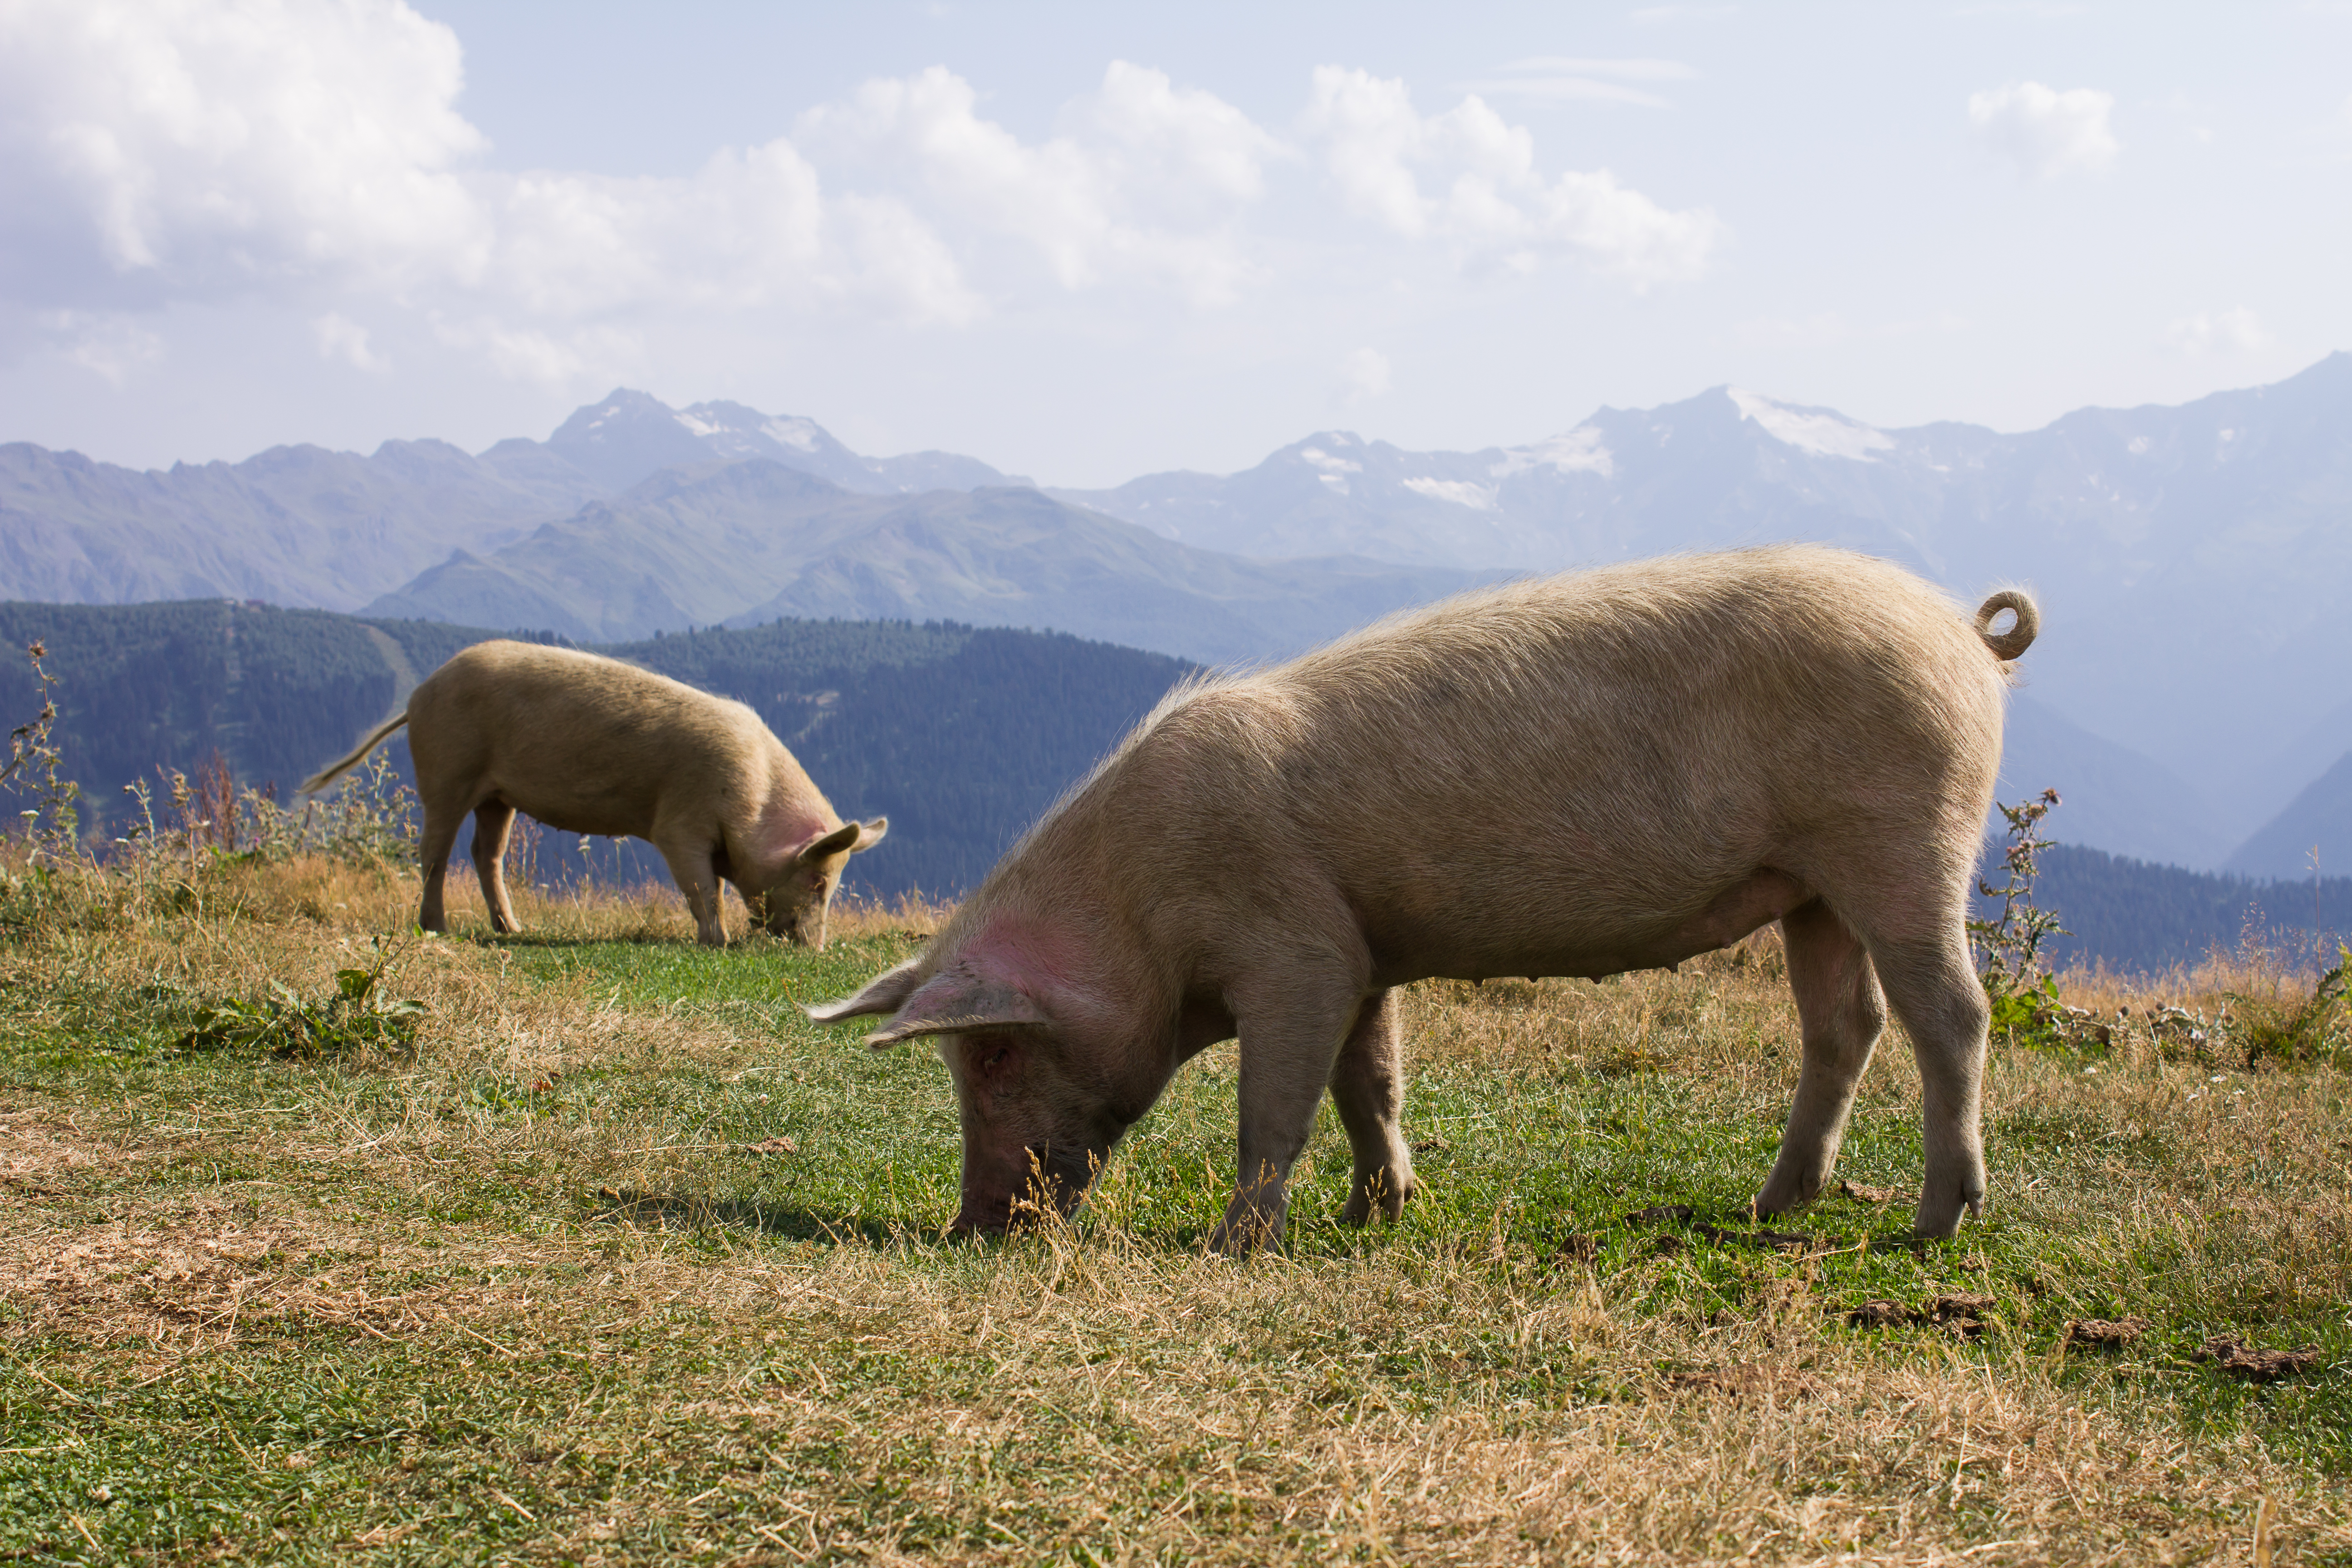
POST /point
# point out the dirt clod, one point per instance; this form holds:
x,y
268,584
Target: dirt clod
x,y
2239,1359
776,1145
2106,1333
1882,1315
1867,1194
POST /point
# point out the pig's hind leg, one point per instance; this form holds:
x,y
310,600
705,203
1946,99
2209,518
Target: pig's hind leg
x,y
1841,1012
493,822
1368,1087
1942,1004
433,858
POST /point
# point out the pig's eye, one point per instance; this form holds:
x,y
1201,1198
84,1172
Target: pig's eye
x,y
990,1059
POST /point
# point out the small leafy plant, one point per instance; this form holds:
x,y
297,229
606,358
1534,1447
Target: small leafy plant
x,y
356,1016
2026,1007
51,825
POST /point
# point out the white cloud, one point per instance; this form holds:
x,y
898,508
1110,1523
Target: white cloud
x,y
340,338
2217,331
1144,184
218,142
1491,205
313,151
2046,132
1363,375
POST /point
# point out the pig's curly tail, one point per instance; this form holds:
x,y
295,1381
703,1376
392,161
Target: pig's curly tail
x,y
2020,637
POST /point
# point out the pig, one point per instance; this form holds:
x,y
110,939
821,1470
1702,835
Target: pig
x,y
1583,774
587,745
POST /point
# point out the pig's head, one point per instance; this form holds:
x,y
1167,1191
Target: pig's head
x,y
800,883
1047,1073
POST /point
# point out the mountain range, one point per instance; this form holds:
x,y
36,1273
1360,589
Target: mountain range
x,y
2191,561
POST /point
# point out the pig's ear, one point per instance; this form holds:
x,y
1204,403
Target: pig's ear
x,y
954,1003
883,994
869,834
840,841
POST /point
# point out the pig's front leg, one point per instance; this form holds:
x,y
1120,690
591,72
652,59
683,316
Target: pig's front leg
x,y
1368,1087
1289,1047
698,880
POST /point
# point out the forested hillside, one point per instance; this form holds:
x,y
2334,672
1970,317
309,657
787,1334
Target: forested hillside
x,y
273,691
961,737
2137,916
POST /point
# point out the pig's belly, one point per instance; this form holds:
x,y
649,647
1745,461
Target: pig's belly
x,y
1470,950
580,811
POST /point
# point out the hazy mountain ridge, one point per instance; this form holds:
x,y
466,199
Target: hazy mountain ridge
x,y
302,525
755,540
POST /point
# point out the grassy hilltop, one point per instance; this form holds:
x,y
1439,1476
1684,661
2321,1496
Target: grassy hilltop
x,y
607,1254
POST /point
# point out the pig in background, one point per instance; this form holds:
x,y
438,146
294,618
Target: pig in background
x,y
587,745
1576,775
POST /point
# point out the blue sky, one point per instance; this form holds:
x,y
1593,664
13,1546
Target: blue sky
x,y
1084,242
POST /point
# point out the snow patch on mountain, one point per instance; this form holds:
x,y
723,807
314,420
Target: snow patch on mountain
x,y
799,434
1458,492
1817,431
1581,449
1318,458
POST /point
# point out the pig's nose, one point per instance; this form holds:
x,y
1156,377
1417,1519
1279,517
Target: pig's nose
x,y
967,1223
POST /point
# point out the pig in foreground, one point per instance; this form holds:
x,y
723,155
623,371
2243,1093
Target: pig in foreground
x,y
1578,775
591,746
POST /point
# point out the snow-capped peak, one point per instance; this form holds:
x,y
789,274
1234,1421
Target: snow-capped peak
x,y
1811,430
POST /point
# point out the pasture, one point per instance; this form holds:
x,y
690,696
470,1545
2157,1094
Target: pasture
x,y
607,1255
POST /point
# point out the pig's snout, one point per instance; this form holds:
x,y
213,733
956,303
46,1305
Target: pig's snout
x,y
1051,1181
801,926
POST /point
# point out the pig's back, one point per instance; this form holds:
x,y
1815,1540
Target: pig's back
x,y
587,738
1616,745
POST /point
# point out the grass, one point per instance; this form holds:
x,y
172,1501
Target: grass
x,y
620,1260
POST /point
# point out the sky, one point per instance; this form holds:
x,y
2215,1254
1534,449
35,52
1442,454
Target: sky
x,y
1087,241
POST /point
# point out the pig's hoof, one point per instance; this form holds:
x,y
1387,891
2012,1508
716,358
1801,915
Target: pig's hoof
x,y
1383,1191
1941,1217
1784,1196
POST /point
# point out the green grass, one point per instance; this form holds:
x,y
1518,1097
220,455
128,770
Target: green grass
x,y
550,1287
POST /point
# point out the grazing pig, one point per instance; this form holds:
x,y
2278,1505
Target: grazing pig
x,y
593,745
1576,775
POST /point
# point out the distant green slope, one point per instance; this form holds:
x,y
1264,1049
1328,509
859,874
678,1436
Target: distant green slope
x,y
961,737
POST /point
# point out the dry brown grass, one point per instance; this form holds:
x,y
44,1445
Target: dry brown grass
x,y
636,1378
